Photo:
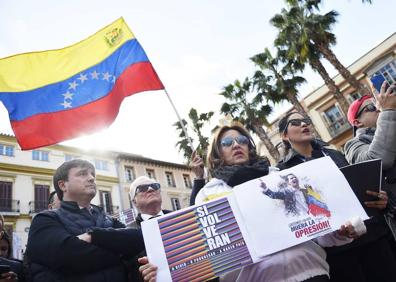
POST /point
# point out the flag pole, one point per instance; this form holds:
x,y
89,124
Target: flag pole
x,y
180,121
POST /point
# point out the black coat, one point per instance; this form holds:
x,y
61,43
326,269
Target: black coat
x,y
319,150
133,264
56,254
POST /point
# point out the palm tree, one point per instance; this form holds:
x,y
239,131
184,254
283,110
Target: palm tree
x,y
277,79
252,114
319,31
196,123
183,144
294,39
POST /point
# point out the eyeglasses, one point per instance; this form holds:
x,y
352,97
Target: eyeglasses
x,y
145,187
229,141
298,122
367,108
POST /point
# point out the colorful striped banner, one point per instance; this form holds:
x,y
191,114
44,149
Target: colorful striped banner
x,y
190,257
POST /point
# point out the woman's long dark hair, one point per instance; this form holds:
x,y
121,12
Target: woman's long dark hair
x,y
214,157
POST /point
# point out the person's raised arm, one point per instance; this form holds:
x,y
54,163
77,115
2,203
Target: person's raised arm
x,y
197,166
382,146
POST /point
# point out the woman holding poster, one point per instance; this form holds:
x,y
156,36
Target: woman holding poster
x,y
232,160
362,259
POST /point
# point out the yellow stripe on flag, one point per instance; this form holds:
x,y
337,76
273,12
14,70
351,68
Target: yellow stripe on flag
x,y
32,70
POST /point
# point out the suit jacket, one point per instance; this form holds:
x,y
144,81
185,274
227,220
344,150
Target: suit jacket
x,y
138,221
133,264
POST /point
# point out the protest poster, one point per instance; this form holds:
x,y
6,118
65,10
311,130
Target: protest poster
x,y
197,243
296,205
260,217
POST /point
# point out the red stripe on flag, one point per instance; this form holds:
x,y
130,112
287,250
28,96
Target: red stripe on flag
x,y
50,128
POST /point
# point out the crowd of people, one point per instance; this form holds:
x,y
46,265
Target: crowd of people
x,y
75,240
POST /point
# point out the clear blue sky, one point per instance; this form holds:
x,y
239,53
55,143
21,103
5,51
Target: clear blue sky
x,y
197,47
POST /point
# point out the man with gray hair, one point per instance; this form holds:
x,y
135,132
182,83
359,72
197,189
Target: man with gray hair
x,y
146,198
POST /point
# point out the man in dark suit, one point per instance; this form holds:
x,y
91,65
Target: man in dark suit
x,y
146,198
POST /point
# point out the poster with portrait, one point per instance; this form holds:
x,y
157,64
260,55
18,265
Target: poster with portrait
x,y
258,218
298,204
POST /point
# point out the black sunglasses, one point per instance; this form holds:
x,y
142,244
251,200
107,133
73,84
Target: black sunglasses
x,y
240,139
298,122
145,187
367,108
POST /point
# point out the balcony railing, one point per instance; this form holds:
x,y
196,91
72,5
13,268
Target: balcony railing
x,y
339,126
37,206
9,205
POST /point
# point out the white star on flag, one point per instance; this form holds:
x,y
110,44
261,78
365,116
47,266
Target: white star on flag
x,y
82,77
95,75
68,95
73,85
66,104
106,76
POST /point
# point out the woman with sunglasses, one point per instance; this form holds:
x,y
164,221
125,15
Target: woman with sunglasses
x,y
300,146
232,160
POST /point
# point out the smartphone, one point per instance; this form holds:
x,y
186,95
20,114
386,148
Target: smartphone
x,y
4,268
377,81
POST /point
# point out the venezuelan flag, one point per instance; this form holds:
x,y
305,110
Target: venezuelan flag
x,y
315,204
55,95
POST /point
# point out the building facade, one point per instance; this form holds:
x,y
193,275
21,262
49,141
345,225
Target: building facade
x,y
26,181
175,179
322,107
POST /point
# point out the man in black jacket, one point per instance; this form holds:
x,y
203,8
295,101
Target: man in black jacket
x,y
146,198
145,194
56,248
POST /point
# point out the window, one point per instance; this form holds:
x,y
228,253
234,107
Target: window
x,y
334,115
101,164
353,96
6,150
187,181
70,157
129,174
5,196
169,179
105,201
336,122
150,173
39,155
175,204
41,194
388,72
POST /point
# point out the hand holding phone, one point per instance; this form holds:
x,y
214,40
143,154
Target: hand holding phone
x,y
4,268
377,81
